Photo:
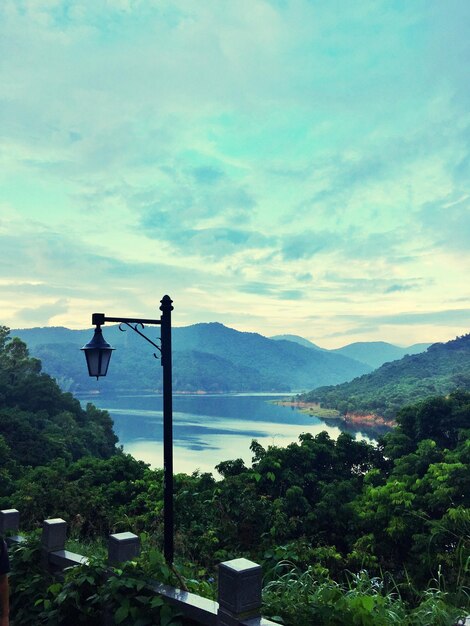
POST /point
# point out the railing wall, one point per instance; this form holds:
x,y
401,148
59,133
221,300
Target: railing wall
x,y
240,580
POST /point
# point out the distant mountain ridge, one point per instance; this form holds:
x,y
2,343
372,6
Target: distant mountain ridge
x,y
441,369
376,353
372,353
208,357
297,339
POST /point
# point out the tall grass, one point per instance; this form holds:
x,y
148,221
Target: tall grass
x,y
300,597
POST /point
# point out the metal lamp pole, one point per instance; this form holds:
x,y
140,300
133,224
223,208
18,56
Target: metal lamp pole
x,y
98,354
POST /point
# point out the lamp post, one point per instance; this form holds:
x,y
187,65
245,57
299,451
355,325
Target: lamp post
x,y
98,354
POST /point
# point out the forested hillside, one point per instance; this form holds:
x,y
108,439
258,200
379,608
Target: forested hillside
x,y
40,423
208,357
439,370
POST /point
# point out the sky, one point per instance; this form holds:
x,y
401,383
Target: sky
x,y
280,166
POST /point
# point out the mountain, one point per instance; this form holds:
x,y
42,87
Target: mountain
x,y
439,370
207,357
297,339
372,353
376,353
283,361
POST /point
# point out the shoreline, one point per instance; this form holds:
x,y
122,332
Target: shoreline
x,y
311,408
369,419
357,419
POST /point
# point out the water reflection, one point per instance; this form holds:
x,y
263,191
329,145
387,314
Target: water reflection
x,y
207,429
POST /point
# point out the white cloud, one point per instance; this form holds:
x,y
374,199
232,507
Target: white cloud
x,y
210,148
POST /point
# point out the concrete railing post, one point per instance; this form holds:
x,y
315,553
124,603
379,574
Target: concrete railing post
x,y
123,547
9,520
240,584
54,534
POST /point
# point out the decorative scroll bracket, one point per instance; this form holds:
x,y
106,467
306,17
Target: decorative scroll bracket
x,y
134,327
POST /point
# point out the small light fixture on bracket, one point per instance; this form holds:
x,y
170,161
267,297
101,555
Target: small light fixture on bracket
x,y
97,351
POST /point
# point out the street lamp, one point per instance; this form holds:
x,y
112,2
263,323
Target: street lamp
x,y
98,354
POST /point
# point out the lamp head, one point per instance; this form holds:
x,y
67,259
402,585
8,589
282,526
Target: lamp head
x,y
98,354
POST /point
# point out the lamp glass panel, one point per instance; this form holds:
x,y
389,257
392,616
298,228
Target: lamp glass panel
x,y
105,357
98,360
92,361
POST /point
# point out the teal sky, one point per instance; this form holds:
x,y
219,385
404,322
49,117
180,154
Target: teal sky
x,y
280,166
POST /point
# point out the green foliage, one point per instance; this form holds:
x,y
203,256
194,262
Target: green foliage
x,y
302,597
95,496
38,422
28,582
440,419
89,591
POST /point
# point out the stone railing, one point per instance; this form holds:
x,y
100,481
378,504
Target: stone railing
x,y
240,580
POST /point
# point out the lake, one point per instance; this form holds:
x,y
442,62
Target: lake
x,y
208,428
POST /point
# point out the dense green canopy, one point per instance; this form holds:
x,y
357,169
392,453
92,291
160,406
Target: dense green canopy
x,y
38,422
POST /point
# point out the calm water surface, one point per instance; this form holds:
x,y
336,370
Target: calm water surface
x,y
207,428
